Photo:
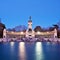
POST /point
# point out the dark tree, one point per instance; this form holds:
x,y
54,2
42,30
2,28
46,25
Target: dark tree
x,y
51,28
37,28
2,26
56,26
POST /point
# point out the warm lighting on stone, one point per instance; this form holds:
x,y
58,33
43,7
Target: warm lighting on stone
x,y
47,32
38,32
33,35
12,32
22,33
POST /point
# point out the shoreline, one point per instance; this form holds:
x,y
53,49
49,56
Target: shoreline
x,y
57,40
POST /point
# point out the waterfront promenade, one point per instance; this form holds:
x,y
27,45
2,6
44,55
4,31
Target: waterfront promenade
x,y
30,40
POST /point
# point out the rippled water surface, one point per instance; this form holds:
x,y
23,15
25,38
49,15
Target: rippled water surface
x,y
29,51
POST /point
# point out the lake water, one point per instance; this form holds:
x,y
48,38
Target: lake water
x,y
29,51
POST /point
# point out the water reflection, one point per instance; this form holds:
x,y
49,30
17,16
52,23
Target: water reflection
x,y
39,51
12,44
22,53
12,47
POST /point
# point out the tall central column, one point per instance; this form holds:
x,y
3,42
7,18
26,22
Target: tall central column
x,y
29,32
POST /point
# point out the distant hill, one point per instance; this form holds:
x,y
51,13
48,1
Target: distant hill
x,y
18,28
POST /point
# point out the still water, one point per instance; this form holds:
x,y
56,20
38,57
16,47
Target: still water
x,y
29,51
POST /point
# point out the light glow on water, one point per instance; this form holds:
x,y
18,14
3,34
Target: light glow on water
x,y
39,51
22,53
12,48
12,44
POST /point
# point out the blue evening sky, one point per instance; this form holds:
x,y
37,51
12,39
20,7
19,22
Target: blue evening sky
x,y
17,12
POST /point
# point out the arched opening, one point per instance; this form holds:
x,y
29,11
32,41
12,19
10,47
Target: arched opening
x,y
29,30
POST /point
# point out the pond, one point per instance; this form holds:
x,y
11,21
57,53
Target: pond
x,y
29,51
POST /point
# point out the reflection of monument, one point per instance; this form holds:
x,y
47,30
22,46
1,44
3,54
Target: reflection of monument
x,y
30,32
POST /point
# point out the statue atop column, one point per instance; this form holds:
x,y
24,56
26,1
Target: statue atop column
x,y
30,19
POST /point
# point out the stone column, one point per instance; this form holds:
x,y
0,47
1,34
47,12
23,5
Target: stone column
x,y
55,33
4,33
